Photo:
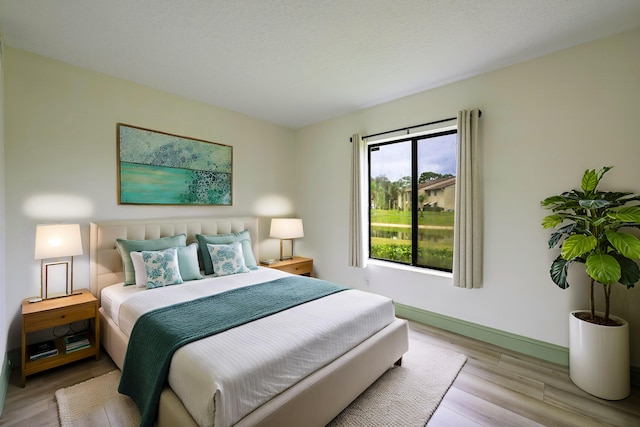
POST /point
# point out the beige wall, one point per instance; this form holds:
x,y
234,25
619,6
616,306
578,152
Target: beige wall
x,y
61,160
544,122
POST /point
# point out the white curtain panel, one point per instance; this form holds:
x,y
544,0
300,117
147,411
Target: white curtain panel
x,y
467,244
356,214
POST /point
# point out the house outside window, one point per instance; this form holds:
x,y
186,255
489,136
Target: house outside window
x,y
412,199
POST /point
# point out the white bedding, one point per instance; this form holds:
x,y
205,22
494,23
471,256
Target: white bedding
x,y
250,364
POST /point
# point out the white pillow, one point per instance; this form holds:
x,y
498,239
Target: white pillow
x,y
139,268
162,268
227,259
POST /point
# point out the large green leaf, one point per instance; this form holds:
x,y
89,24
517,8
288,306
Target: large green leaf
x,y
577,245
602,171
630,273
559,271
626,214
565,201
574,195
603,268
580,219
601,221
594,204
567,229
618,196
551,221
589,180
553,200
553,240
627,244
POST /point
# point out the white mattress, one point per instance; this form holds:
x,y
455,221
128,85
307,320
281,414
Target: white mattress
x,y
140,300
249,365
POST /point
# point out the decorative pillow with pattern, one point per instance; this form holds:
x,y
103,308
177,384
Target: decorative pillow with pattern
x,y
243,237
125,247
162,268
227,259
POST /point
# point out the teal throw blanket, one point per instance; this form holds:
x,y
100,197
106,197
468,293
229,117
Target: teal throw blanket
x,y
156,335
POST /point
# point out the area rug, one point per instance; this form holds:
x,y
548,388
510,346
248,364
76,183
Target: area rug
x,y
408,395
404,396
96,403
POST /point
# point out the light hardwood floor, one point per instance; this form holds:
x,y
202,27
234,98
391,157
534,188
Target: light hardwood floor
x,y
496,387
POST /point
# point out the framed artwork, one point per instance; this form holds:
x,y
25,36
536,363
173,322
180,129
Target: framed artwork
x,y
157,168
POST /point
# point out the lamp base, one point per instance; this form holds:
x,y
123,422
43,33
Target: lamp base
x,y
284,253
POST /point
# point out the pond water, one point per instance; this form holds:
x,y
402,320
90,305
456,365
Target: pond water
x,y
424,234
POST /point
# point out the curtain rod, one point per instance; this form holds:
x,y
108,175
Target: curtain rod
x,y
415,126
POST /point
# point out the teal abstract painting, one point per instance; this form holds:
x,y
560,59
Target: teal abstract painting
x,y
157,168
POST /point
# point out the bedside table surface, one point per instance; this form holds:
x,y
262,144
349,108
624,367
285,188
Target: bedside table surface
x,y
83,296
294,260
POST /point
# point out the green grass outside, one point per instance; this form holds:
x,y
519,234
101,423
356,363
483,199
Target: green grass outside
x,y
435,254
404,217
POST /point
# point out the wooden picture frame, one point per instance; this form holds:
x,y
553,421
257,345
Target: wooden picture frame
x,y
158,168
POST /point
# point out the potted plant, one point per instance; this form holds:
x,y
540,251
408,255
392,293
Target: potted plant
x,y
590,228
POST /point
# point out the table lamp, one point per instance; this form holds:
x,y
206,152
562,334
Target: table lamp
x,y
57,241
286,229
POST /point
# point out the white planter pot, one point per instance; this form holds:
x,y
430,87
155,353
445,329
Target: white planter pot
x,y
599,358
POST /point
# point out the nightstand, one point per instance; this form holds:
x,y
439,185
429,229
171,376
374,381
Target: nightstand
x,y
298,265
50,313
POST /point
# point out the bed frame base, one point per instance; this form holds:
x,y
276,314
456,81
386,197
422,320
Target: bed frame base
x,y
314,401
317,399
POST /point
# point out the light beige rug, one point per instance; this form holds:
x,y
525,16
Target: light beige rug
x,y
96,403
404,396
408,395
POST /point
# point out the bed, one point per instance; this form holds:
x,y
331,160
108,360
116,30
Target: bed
x,y
311,398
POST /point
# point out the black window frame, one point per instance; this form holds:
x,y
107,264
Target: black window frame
x,y
414,193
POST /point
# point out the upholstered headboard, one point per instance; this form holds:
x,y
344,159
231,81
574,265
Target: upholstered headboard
x,y
105,265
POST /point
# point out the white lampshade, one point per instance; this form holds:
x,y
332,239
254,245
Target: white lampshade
x,y
286,228
58,240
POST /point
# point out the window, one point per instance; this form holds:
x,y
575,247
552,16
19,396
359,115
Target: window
x,y
412,198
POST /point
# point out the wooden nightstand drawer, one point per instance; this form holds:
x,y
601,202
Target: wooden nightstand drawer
x,y
300,268
297,265
59,316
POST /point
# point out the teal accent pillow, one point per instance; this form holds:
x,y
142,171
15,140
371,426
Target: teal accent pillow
x,y
188,262
125,247
227,259
162,268
224,239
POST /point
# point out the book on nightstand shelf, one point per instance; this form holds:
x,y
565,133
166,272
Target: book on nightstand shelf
x,y
76,342
41,350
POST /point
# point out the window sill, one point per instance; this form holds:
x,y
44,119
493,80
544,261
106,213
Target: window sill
x,y
421,270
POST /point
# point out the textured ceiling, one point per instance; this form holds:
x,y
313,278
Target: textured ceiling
x,y
297,62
